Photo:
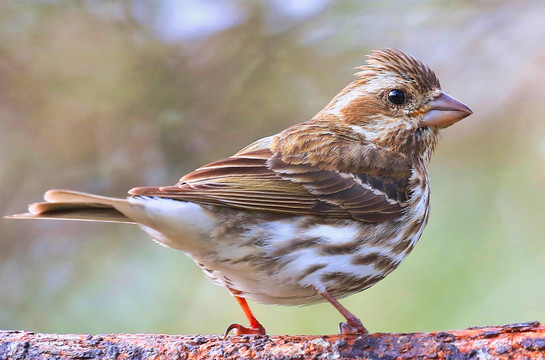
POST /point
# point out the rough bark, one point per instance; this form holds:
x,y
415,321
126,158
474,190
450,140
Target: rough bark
x,y
516,341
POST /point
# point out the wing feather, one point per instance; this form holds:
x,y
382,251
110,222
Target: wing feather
x,y
258,179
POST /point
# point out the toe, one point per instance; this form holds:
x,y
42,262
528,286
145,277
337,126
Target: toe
x,y
243,330
352,329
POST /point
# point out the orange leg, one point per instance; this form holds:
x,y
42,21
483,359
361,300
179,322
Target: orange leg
x,y
353,324
255,327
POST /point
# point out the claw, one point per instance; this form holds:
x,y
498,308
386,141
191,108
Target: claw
x,y
352,329
243,330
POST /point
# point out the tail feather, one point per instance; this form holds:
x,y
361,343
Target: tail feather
x,y
73,205
68,196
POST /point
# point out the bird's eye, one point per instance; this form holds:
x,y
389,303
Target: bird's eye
x,y
396,97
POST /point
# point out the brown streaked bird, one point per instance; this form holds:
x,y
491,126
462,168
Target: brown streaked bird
x,y
317,212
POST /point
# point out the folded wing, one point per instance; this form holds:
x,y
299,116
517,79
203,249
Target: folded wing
x,y
258,179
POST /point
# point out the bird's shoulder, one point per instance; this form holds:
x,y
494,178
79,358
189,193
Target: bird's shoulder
x,y
332,146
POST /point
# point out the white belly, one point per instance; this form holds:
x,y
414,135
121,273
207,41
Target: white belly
x,y
279,259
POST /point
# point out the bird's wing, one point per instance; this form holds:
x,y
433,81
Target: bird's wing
x,y
257,178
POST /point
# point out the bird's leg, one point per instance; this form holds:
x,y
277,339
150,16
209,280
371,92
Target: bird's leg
x,y
255,327
353,324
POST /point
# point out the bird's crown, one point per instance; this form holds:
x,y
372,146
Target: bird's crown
x,y
401,64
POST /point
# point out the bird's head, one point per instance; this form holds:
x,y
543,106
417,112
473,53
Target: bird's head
x,y
396,103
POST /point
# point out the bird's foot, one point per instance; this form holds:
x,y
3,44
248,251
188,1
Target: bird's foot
x,y
243,330
352,327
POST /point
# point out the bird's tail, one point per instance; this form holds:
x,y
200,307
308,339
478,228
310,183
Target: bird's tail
x,y
73,205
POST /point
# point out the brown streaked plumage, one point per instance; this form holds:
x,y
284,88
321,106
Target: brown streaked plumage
x,y
319,211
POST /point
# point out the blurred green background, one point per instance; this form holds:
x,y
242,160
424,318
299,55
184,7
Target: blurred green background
x,y
103,96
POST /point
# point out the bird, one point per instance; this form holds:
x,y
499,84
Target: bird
x,y
319,211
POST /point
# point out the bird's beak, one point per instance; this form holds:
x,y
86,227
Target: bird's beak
x,y
444,111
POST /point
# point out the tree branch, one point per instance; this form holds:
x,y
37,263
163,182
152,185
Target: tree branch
x,y
526,340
